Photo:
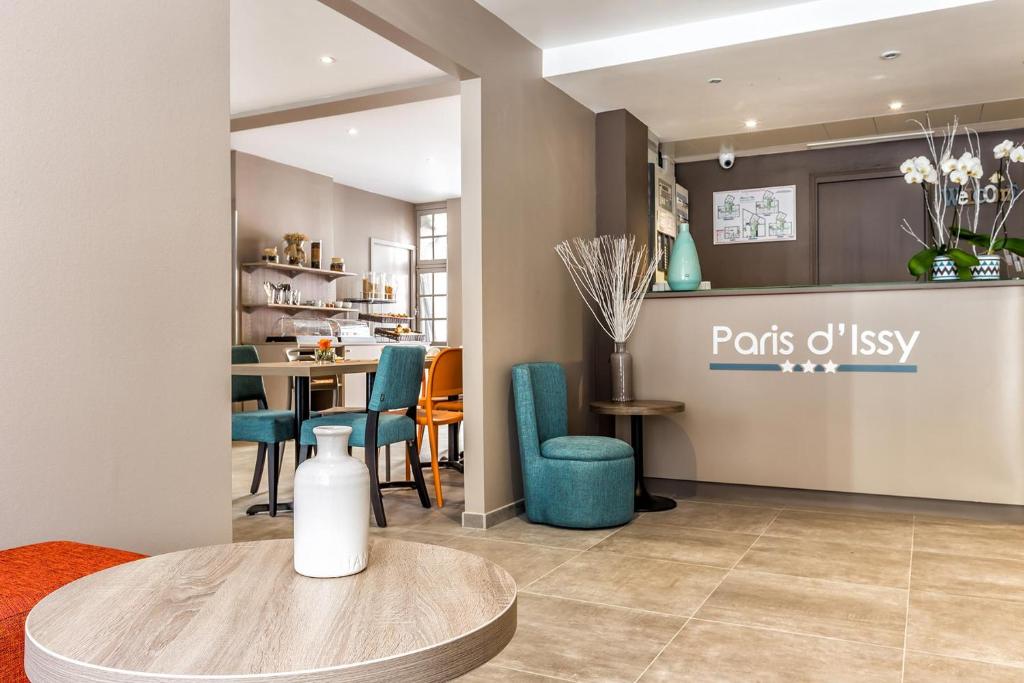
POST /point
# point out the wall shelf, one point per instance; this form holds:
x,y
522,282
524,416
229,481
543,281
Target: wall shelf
x,y
297,308
292,271
385,318
370,301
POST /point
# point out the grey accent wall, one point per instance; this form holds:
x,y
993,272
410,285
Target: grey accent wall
x,y
795,263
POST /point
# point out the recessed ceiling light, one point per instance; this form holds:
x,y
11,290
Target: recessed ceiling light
x,y
750,123
714,80
896,105
890,55
353,132
327,59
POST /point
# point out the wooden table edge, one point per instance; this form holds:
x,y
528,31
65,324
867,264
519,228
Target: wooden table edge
x,y
417,666
627,408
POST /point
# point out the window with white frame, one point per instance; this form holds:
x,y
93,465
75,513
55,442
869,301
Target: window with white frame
x,y
432,274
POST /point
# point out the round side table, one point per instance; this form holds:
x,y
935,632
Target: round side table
x,y
644,501
240,614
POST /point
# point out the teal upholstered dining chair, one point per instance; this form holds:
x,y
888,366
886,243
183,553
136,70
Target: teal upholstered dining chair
x,y
271,429
581,482
395,388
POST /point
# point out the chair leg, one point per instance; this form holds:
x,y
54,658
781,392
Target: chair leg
x,y
417,473
433,465
376,500
272,460
279,449
291,391
257,474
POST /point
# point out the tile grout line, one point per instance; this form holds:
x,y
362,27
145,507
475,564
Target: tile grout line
x,y
910,579
964,658
570,559
802,634
532,673
706,598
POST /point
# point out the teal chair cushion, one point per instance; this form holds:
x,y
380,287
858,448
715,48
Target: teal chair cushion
x,y
263,426
390,429
587,448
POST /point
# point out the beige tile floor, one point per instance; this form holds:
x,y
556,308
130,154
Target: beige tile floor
x,y
735,588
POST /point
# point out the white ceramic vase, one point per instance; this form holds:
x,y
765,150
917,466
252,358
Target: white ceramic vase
x,y
331,509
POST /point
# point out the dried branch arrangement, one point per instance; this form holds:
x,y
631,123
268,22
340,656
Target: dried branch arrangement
x,y
612,276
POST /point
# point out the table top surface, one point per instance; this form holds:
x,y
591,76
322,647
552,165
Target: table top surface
x,y
637,407
308,368
240,612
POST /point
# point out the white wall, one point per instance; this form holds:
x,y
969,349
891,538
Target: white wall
x,y
115,325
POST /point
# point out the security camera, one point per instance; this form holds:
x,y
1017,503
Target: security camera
x,y
726,159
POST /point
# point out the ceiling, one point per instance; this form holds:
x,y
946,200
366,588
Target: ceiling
x,y
276,46
556,23
410,151
951,57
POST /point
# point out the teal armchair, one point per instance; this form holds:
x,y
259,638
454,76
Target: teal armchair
x,y
580,482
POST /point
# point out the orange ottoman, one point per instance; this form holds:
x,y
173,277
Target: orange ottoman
x,y
30,573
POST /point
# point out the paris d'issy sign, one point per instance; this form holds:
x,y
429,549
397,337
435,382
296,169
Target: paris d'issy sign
x,y
858,348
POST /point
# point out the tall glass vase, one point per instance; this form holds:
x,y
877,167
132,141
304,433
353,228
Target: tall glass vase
x,y
622,374
683,265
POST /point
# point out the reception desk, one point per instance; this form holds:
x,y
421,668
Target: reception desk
x,y
903,389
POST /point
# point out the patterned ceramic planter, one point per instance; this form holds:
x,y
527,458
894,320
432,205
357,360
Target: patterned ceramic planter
x,y
943,269
988,269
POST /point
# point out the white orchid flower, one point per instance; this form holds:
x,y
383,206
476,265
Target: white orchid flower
x,y
968,166
931,176
1002,150
915,177
922,164
995,177
1017,155
907,166
948,165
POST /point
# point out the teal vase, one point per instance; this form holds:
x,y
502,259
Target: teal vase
x,y
683,266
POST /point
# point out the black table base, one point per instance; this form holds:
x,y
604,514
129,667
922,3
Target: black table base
x,y
643,500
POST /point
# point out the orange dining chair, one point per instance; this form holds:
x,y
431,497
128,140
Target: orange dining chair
x,y
438,408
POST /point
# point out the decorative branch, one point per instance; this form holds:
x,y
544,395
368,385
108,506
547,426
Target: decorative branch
x,y
612,277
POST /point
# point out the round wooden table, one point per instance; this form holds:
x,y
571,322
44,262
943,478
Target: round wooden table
x,y
239,613
643,500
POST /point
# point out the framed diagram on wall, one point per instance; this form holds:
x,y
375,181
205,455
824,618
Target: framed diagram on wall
x,y
764,214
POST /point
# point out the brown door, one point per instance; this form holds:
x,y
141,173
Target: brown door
x,y
859,238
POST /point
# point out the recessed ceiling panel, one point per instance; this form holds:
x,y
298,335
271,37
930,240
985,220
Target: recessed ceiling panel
x,y
818,77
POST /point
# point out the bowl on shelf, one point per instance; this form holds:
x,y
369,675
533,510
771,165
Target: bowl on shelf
x,y
342,304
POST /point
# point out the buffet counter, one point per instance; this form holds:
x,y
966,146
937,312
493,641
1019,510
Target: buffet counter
x,y
899,389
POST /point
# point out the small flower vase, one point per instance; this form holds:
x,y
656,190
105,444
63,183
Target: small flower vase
x,y
331,509
622,374
683,265
324,355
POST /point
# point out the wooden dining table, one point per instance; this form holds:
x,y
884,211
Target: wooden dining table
x,y
302,372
